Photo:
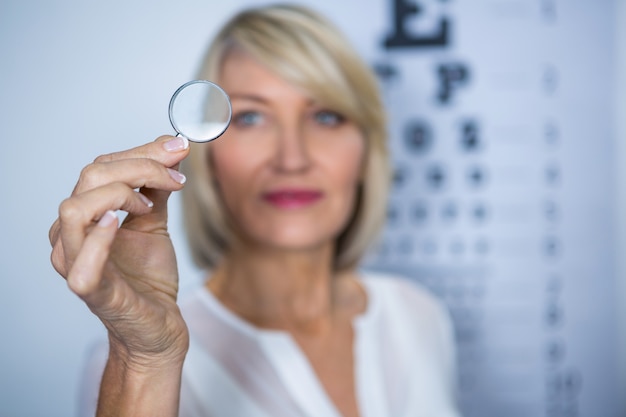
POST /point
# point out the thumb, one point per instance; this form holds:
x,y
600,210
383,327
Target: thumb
x,y
156,219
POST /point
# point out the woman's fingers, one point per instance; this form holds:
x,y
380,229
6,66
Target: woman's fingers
x,y
104,295
165,150
107,185
85,275
78,214
135,173
57,257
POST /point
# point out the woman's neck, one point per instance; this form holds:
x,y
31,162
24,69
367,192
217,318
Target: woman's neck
x,y
295,290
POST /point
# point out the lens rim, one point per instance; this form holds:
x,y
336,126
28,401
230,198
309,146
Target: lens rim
x,y
173,101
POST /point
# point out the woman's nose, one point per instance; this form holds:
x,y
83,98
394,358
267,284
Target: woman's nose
x,y
291,151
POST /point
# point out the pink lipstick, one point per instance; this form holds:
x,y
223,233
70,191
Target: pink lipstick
x,y
292,198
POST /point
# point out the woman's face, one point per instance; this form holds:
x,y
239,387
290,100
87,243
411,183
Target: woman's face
x,y
287,167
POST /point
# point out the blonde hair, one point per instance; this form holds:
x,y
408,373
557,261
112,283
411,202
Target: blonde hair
x,y
307,51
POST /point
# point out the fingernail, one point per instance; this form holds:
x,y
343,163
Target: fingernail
x,y
177,176
107,218
176,144
145,200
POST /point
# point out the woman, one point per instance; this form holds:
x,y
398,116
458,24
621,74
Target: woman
x,y
279,210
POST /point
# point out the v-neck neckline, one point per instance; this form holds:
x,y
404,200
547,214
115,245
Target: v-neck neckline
x,y
250,329
295,370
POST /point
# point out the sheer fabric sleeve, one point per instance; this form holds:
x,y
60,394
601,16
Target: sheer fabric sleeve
x,y
418,356
438,327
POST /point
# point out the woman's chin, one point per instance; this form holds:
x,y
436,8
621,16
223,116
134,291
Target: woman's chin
x,y
294,242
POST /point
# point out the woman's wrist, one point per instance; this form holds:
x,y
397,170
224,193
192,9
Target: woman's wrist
x,y
141,363
145,362
144,351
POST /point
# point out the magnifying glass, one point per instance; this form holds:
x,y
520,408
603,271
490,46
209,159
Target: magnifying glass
x,y
200,111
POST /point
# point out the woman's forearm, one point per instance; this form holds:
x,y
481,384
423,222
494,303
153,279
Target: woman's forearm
x,y
139,391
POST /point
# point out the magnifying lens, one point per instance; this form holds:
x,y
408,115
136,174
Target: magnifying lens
x,y
200,111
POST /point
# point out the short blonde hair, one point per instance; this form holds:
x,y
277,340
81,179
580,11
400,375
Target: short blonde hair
x,y
308,51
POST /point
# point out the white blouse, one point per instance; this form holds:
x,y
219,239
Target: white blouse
x,y
403,350
404,360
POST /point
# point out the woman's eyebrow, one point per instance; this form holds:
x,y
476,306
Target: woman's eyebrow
x,y
262,99
248,97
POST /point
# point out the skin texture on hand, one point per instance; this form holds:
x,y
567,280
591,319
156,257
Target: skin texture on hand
x,y
128,275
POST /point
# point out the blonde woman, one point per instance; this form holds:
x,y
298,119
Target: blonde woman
x,y
279,211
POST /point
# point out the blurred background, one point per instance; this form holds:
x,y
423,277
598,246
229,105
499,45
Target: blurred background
x,y
508,133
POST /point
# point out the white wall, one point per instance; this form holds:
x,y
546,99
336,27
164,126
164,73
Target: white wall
x,y
620,120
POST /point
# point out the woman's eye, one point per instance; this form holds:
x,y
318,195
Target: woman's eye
x,y
328,118
247,118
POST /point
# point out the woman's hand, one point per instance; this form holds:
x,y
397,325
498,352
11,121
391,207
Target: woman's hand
x,y
128,276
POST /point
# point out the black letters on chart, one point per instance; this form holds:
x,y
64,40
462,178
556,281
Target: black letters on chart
x,y
401,38
451,77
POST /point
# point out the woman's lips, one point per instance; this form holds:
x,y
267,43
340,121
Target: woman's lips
x,y
292,198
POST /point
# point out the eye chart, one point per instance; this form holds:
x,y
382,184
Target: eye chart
x,y
501,115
